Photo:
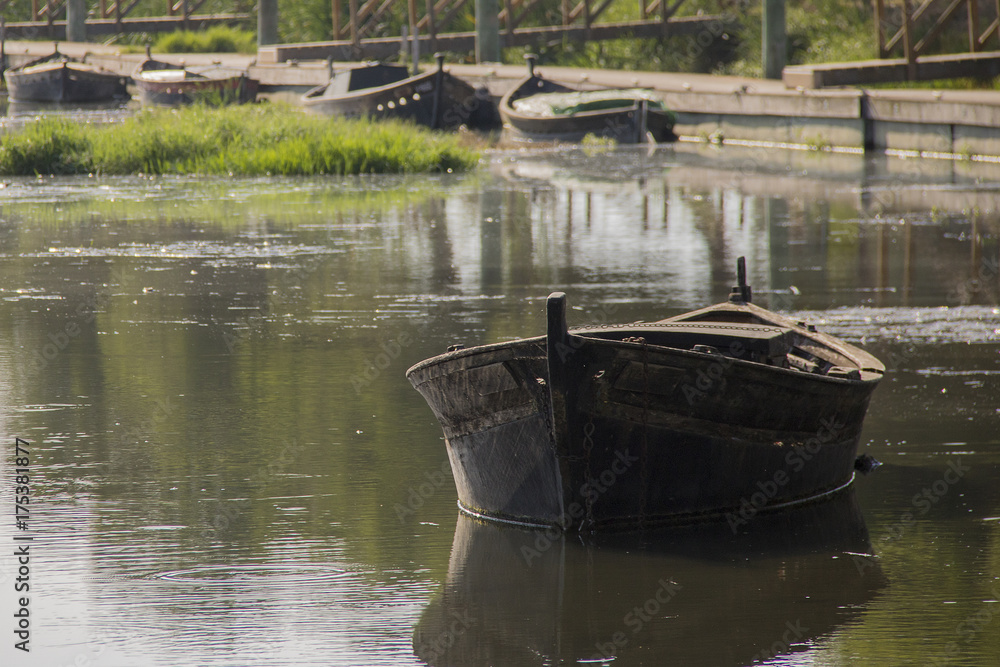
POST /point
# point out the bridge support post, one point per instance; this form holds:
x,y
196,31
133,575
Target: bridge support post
x,y
267,22
773,47
487,31
76,21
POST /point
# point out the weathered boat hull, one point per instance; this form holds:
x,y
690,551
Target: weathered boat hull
x,y
205,85
434,99
644,424
64,81
632,123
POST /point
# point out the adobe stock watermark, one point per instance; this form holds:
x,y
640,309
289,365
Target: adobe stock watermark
x,y
74,325
61,338
231,511
374,365
982,282
795,460
577,512
794,632
416,496
921,504
134,434
433,650
255,323
473,107
636,619
705,38
601,317
968,629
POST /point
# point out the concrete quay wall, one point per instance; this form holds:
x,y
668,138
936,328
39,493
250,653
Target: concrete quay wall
x,y
719,109
948,123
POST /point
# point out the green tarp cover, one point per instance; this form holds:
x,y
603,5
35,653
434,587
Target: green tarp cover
x,y
565,104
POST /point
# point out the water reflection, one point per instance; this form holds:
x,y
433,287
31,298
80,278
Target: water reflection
x,y
15,113
212,373
702,595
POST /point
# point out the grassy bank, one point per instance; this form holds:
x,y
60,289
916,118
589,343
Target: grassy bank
x,y
251,140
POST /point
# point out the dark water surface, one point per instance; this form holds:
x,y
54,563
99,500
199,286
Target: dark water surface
x,y
228,467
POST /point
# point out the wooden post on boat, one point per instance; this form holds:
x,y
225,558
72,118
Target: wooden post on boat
x,y
741,292
487,32
267,22
76,21
561,399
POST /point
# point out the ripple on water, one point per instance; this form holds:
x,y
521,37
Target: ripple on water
x,y
960,324
275,575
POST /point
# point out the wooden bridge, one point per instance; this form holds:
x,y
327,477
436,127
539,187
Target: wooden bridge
x,y
47,18
364,27
911,48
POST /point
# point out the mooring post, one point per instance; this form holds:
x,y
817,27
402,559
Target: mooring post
x,y
76,20
487,32
773,56
267,22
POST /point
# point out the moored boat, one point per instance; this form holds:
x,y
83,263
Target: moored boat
x,y
543,110
716,414
167,84
63,79
433,98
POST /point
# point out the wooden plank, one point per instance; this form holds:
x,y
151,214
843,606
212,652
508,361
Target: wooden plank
x,y
455,9
990,31
925,68
938,27
386,47
879,35
112,27
528,5
914,16
372,21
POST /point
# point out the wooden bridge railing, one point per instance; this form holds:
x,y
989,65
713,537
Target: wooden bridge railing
x,y
365,17
50,10
112,16
902,32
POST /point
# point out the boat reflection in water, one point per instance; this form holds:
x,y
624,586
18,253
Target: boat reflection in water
x,y
725,593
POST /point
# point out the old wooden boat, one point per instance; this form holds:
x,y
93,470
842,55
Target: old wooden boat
x,y
167,84
543,110
60,78
433,98
717,414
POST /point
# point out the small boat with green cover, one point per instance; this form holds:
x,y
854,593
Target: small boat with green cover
x,y
542,110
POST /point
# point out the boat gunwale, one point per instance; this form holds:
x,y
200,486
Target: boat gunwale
x,y
506,102
312,96
867,375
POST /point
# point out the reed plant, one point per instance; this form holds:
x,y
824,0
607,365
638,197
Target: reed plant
x,y
248,140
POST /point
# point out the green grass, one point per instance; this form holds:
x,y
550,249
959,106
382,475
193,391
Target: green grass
x,y
219,39
249,140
